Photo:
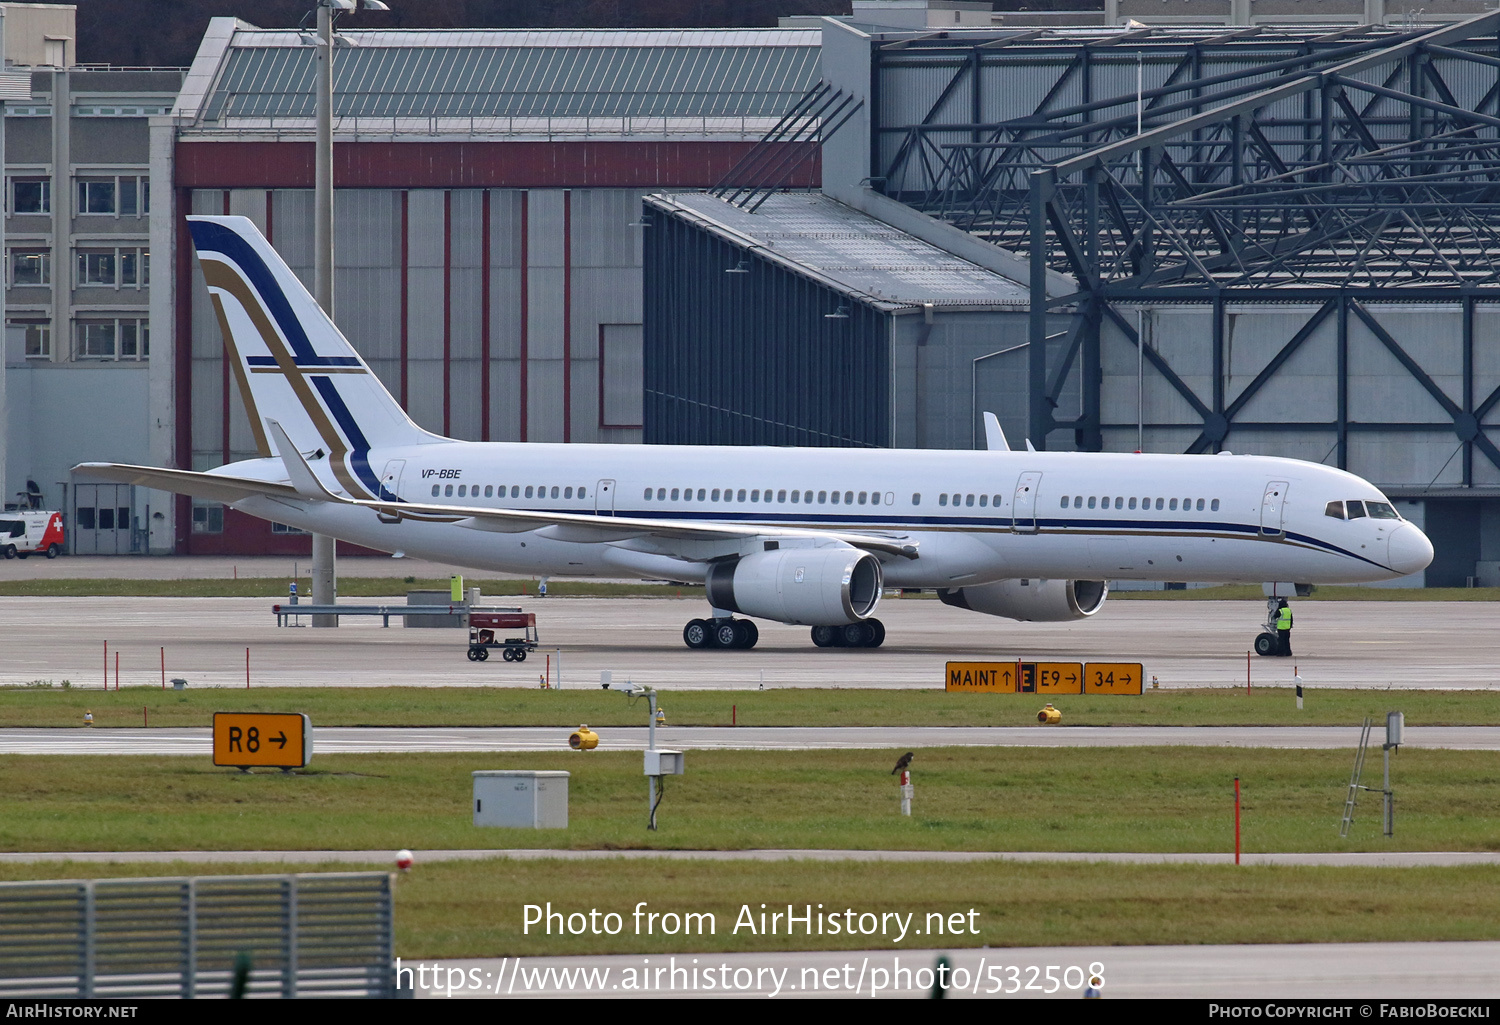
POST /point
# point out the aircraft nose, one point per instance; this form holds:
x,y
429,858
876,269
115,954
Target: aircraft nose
x,y
1410,550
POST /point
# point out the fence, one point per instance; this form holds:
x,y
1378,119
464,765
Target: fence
x,y
328,934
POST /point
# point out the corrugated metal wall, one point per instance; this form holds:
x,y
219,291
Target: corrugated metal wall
x,y
1397,433
563,267
754,358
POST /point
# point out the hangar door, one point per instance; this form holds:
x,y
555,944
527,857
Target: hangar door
x,y
101,523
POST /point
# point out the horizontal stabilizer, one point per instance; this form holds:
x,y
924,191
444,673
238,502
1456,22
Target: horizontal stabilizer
x,y
210,486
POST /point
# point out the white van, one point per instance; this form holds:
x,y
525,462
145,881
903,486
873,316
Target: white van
x,y
23,533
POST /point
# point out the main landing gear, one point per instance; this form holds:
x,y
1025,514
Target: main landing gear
x,y
720,632
868,633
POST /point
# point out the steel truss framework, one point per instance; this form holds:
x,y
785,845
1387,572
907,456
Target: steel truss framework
x,y
1333,168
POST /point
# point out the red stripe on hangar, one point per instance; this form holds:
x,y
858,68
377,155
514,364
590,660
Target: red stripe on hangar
x,y
459,165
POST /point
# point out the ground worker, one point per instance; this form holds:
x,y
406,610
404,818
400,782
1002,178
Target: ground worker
x,y
1284,628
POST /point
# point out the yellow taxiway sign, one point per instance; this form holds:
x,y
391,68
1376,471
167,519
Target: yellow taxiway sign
x,y
281,740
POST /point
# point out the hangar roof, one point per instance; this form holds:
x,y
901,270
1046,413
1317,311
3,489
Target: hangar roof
x,y
581,81
850,251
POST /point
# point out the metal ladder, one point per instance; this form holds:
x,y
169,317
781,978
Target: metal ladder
x,y
1354,787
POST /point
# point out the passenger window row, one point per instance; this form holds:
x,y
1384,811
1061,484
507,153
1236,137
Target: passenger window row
x,y
966,500
1359,509
797,496
516,491
1163,504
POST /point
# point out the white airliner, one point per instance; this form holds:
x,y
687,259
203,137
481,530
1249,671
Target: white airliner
x,y
805,536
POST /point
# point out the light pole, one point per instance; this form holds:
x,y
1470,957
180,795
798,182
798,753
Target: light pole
x,y
324,568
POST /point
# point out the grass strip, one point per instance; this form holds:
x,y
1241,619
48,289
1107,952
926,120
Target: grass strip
x,y
49,704
967,799
476,909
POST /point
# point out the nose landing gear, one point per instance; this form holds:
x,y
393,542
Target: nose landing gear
x,y
1273,640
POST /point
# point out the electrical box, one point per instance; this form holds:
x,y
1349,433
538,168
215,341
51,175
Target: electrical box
x,y
1395,725
521,799
664,763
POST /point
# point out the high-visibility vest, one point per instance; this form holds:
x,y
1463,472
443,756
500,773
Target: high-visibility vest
x,y
1284,619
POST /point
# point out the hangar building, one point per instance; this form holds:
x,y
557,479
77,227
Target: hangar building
x,y
487,218
1267,239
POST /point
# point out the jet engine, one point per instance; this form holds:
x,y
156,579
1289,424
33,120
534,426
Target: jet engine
x,y
1031,600
807,586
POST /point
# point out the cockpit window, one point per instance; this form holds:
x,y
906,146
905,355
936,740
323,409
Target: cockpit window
x,y
1335,509
1382,511
1356,509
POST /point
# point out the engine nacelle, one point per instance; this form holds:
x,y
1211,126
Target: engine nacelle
x,y
807,586
1033,600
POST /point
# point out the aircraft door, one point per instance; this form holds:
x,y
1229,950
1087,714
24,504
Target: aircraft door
x,y
1023,509
1272,509
604,498
390,480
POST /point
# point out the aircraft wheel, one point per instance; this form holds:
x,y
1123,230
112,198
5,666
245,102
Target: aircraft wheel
x,y
877,633
746,634
474,654
54,550
1266,644
824,636
857,635
695,634
725,634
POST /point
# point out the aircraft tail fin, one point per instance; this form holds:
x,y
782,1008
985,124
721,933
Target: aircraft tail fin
x,y
292,364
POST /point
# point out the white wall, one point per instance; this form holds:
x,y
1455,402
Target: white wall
x,y
62,415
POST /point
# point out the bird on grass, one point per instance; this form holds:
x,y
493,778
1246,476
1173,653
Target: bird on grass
x,y
902,762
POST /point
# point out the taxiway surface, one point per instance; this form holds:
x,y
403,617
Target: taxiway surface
x,y
1181,643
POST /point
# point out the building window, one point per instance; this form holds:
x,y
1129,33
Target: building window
x,y
31,267
120,195
113,268
35,337
96,267
30,196
96,196
124,338
96,339
208,519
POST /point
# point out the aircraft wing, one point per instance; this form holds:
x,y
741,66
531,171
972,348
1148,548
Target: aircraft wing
x,y
561,526
596,528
